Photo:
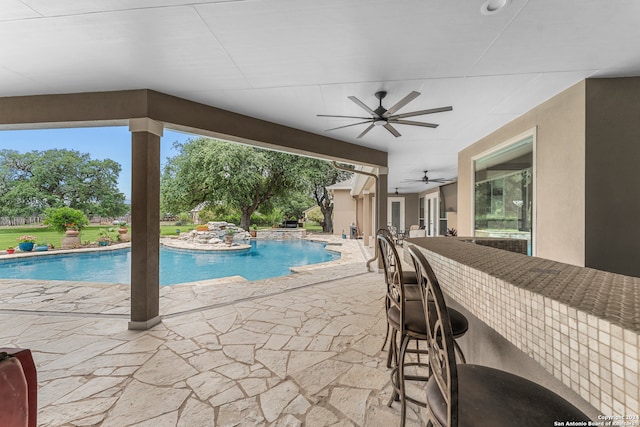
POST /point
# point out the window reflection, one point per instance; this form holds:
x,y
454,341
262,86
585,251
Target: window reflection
x,y
504,192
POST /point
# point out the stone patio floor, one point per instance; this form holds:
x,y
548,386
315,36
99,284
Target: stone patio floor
x,y
300,350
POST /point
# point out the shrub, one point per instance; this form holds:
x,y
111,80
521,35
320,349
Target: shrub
x,y
60,219
315,215
183,219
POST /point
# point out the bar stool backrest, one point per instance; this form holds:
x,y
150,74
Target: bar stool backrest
x,y
442,359
392,273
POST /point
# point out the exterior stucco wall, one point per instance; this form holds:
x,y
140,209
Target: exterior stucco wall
x,y
559,187
410,209
613,178
344,211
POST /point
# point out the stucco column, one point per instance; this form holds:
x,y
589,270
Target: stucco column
x,y
381,199
145,223
381,205
366,217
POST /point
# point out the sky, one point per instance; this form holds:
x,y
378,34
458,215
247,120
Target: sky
x,y
99,142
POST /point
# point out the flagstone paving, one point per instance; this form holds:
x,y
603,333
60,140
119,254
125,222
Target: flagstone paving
x,y
301,350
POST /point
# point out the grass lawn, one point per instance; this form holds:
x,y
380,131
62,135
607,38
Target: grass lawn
x,y
312,226
8,235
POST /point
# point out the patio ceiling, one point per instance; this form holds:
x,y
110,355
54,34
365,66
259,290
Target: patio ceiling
x,y
286,61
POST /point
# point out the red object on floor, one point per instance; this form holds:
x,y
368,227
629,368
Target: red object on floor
x,y
30,396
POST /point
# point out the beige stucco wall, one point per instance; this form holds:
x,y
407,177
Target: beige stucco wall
x,y
344,211
559,179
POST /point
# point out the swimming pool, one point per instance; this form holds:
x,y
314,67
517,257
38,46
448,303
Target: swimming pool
x,y
265,259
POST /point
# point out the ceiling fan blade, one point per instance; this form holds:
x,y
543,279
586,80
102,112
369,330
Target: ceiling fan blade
x,y
421,112
363,106
352,124
412,123
345,117
404,101
391,129
371,126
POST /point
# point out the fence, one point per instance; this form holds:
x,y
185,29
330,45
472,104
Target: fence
x,y
13,221
4,221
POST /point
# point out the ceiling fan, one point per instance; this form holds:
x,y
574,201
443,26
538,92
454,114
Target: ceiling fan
x,y
428,180
383,117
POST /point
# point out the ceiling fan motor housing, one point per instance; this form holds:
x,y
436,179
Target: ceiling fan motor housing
x,y
387,117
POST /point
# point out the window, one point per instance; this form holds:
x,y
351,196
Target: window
x,y
421,212
503,195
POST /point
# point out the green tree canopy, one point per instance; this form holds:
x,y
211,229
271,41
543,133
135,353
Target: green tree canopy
x,y
318,175
31,182
244,178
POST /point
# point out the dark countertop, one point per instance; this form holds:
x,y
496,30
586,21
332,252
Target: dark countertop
x,y
609,296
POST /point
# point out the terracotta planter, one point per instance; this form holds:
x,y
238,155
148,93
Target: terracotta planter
x,y
71,239
228,239
253,233
72,233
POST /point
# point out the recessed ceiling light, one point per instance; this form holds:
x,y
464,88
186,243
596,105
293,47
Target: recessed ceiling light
x,y
491,7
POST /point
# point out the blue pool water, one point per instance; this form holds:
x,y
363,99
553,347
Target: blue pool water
x,y
265,259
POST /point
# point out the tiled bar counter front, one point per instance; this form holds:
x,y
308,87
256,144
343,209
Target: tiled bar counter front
x,y
581,325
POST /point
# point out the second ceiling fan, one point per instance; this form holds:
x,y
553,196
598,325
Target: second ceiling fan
x,y
386,118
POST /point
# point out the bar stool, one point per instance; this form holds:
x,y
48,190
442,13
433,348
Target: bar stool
x,y
474,395
406,318
412,291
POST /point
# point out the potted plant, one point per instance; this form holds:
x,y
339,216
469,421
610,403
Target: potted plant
x,y
26,242
228,235
122,227
41,247
254,230
104,238
10,250
123,232
66,219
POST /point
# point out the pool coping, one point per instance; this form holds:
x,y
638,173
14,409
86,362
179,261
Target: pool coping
x,y
113,299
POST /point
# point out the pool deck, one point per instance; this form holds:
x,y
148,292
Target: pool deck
x,y
297,350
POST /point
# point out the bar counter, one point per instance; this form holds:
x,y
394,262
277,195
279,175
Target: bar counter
x,y
581,325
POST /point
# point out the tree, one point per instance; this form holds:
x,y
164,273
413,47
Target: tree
x,y
318,175
244,178
31,182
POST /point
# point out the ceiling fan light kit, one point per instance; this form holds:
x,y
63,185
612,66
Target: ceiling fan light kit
x,y
491,7
387,117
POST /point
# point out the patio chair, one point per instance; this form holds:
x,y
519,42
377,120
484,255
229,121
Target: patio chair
x,y
474,395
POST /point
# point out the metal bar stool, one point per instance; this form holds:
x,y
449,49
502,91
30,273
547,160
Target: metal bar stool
x,y
406,318
474,395
412,291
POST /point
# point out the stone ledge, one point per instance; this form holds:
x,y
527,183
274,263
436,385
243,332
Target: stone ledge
x,y
222,247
